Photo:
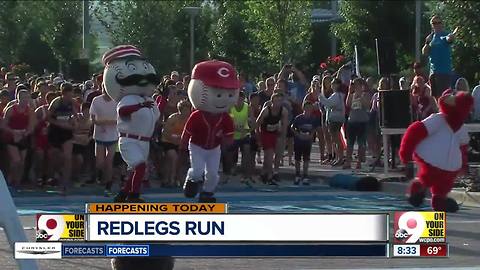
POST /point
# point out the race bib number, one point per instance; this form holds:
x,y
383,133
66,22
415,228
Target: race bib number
x,y
356,104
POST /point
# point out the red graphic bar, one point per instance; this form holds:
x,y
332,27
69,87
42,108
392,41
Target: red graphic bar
x,y
436,250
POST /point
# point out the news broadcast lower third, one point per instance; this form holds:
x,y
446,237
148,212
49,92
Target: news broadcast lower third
x,y
239,134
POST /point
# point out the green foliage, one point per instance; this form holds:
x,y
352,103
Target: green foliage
x,y
282,28
11,31
466,48
161,29
230,29
366,20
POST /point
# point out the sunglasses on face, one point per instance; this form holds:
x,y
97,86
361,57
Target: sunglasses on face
x,y
437,22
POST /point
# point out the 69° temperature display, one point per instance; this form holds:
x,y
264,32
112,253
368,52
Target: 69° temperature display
x,y
438,250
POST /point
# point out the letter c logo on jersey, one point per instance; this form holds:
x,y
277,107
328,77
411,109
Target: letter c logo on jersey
x,y
223,72
49,227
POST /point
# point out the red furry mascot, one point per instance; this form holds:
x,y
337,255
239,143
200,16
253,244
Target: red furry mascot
x,y
438,145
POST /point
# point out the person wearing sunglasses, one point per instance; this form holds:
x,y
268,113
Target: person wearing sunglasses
x,y
439,51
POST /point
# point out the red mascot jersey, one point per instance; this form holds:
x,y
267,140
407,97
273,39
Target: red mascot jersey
x,y
207,130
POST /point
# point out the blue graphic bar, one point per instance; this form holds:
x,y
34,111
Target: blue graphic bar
x,y
268,250
225,250
72,250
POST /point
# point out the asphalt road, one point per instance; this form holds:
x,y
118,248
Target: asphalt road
x,y
463,231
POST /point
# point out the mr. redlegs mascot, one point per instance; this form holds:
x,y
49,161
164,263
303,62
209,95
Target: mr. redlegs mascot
x,y
439,146
212,91
130,80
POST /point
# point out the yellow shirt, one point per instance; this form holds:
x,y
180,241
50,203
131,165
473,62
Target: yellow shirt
x,y
240,120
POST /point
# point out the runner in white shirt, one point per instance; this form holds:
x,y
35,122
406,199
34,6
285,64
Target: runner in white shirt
x,y
103,112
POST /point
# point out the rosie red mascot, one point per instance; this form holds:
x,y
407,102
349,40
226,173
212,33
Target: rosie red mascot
x,y
438,145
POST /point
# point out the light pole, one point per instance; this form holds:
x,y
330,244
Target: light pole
x,y
85,29
333,42
418,14
192,11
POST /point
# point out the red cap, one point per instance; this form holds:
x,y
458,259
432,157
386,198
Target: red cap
x,y
217,74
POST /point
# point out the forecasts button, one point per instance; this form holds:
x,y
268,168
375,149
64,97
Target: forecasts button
x,y
127,250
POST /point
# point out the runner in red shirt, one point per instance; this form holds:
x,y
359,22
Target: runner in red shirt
x,y
19,122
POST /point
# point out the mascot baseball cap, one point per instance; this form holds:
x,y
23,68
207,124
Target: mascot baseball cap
x,y
120,52
217,74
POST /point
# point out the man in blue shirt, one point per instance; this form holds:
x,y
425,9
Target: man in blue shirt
x,y
438,48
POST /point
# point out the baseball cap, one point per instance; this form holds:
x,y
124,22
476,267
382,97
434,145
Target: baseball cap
x,y
174,73
217,74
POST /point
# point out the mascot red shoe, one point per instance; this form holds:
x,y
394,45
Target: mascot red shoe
x,y
438,145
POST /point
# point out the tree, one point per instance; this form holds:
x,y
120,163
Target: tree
x,y
160,28
10,30
364,21
231,41
282,28
62,28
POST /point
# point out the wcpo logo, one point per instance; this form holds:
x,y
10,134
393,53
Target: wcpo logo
x,y
419,227
66,227
26,250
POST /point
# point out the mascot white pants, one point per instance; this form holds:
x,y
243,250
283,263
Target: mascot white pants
x,y
204,163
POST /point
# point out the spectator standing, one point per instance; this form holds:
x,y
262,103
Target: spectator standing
x,y
245,84
241,115
358,101
476,107
266,94
285,138
254,108
4,100
42,89
261,86
303,126
327,92
438,48
11,86
418,70
312,98
335,118
373,129
103,113
174,76
462,85
423,104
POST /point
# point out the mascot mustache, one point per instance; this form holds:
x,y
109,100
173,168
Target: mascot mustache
x,y
138,79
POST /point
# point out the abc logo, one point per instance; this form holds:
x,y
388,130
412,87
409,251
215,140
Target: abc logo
x,y
42,235
401,234
410,227
49,227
